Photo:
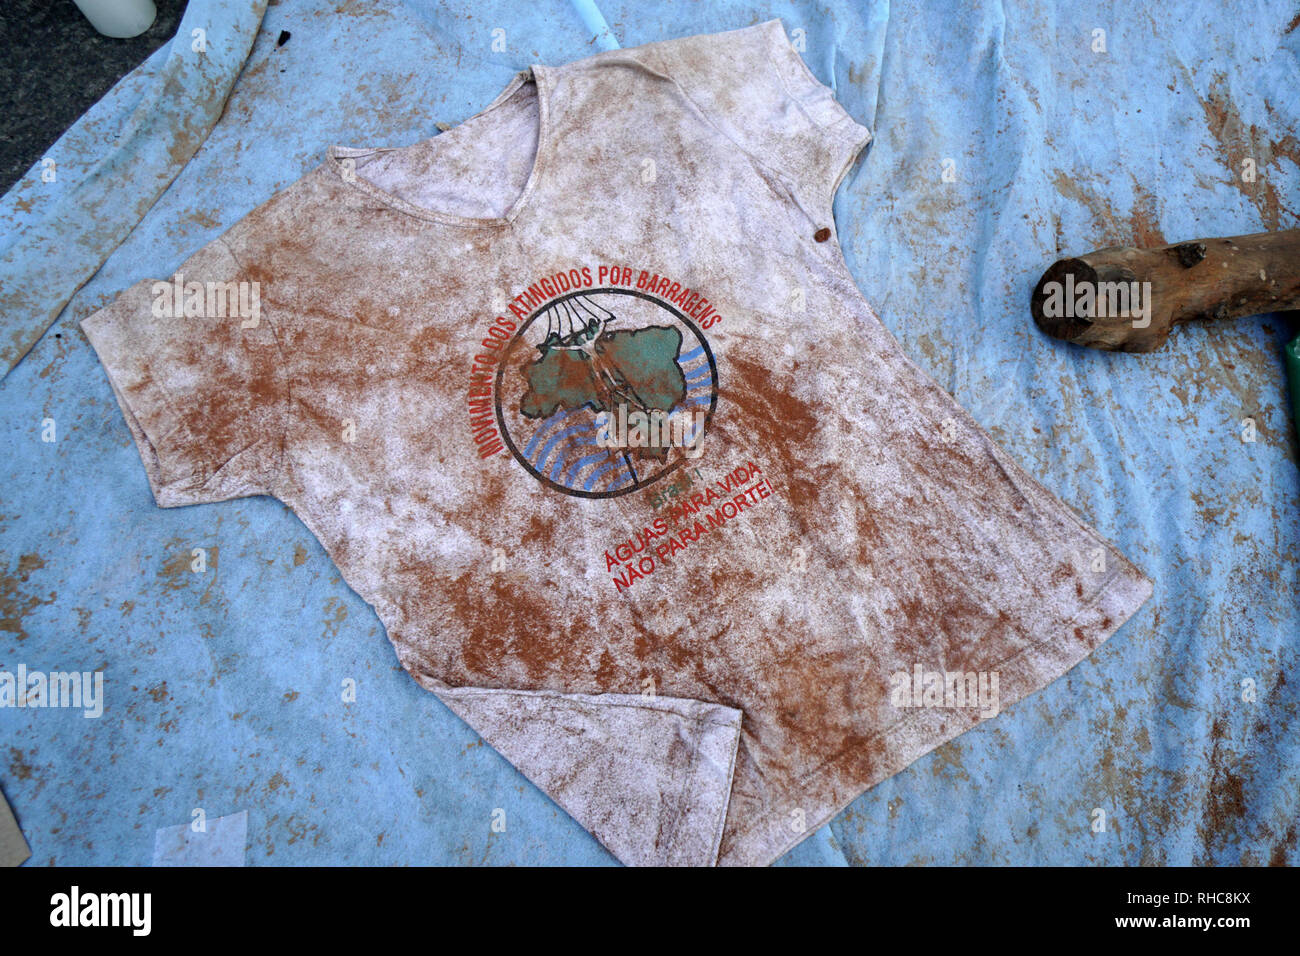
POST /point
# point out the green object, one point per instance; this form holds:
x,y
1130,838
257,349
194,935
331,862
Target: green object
x,y
1293,376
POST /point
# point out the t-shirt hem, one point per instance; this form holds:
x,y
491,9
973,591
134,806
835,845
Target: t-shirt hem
x,y
731,746
690,822
1031,669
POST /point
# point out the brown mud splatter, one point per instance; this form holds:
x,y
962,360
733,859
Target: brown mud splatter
x,y
1239,142
16,602
1278,857
1139,228
19,768
1225,804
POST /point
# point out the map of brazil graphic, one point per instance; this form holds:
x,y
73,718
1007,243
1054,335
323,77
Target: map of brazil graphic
x,y
604,391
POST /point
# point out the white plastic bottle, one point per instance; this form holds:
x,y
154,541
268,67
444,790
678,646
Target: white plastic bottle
x,y
119,18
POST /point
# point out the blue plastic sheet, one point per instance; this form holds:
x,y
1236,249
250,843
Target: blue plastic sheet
x,y
1007,136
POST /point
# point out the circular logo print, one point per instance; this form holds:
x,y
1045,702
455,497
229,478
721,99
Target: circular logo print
x,y
604,391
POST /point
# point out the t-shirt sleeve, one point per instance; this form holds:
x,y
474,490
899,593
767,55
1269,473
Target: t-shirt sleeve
x,y
757,90
197,370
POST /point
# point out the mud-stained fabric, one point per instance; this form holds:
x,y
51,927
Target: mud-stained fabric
x,y
13,846
581,397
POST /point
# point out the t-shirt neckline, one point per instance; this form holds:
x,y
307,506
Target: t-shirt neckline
x,y
539,74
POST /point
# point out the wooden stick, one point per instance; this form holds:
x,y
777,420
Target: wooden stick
x,y
1126,299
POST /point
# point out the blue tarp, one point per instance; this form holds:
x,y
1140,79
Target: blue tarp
x,y
1006,136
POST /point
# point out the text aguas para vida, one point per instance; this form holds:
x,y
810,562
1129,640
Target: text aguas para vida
x,y
654,545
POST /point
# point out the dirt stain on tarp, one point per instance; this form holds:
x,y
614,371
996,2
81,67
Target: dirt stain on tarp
x,y
1145,799
1288,843
1239,142
1139,228
19,768
336,612
1225,802
16,602
178,571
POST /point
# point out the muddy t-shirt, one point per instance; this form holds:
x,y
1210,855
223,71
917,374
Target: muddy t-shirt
x,y
581,397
